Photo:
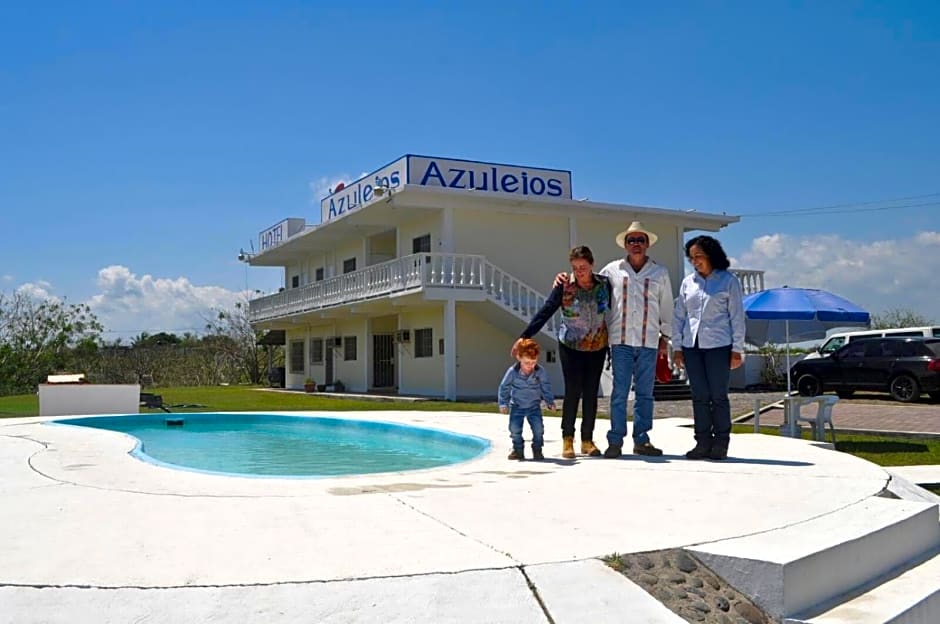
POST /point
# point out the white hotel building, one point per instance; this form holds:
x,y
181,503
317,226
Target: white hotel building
x,y
420,275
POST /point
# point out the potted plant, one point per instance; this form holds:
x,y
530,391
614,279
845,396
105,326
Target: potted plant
x,y
339,386
310,385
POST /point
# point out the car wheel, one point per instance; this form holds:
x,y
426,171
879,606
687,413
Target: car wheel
x,y
904,388
845,394
809,385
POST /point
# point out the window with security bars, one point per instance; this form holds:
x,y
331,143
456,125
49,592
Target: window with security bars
x,y
349,348
316,350
297,356
424,343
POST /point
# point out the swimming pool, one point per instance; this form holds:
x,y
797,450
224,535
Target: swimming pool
x,y
269,445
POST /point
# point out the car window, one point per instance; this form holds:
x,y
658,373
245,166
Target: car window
x,y
853,350
934,347
913,334
834,344
880,348
936,332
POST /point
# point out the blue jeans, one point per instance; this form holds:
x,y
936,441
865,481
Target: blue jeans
x,y
709,375
517,417
636,365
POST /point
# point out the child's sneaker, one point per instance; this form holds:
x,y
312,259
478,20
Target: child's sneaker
x,y
537,453
517,454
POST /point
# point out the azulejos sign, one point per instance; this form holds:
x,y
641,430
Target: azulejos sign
x,y
446,173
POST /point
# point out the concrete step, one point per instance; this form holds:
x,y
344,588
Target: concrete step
x,y
675,390
809,565
911,598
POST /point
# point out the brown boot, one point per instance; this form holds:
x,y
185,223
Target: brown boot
x,y
588,448
567,450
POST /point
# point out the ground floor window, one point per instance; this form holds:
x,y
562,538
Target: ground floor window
x,y
297,356
424,343
316,350
349,348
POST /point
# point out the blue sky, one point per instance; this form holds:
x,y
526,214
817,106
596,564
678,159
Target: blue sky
x,y
142,144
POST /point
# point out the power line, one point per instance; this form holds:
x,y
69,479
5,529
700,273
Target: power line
x,y
850,207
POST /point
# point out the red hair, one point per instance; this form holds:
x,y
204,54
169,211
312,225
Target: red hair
x,y
528,348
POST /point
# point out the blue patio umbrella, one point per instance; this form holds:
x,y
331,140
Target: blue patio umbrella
x,y
795,314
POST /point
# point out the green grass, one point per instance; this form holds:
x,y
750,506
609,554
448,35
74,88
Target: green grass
x,y
254,399
882,450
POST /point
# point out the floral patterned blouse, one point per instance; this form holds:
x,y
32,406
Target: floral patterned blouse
x,y
582,310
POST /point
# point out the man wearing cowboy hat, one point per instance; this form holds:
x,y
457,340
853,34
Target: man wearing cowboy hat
x,y
638,324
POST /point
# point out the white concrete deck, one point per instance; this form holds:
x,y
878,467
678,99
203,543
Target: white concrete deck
x,y
90,534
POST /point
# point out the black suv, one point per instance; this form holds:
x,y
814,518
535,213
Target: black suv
x,y
903,367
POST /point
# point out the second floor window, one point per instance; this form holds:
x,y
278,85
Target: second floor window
x,y
319,275
421,244
295,281
349,265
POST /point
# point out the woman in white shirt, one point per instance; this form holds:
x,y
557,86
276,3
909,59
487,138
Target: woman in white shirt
x,y
708,341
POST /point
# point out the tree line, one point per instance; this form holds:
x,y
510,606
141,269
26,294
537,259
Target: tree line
x,y
39,337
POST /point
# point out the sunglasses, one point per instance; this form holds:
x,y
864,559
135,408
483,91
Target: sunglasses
x,y
636,241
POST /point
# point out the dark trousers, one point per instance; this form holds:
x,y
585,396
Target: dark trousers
x,y
709,375
582,371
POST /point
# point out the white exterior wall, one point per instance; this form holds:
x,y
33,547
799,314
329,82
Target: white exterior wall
x,y
529,247
409,231
421,376
351,372
483,356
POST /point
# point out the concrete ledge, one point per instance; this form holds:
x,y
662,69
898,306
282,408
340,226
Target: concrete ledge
x,y
797,568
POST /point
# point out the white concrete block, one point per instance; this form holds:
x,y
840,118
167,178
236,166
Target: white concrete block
x,y
794,569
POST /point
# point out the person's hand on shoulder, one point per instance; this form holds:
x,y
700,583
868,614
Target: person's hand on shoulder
x,y
560,279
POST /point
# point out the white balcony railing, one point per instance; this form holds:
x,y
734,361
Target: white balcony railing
x,y
751,281
425,270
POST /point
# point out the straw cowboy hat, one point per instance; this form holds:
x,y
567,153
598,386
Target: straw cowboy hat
x,y
636,226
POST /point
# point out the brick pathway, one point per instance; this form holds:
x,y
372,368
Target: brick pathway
x,y
867,413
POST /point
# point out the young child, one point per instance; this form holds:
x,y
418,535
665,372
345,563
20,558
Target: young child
x,y
521,392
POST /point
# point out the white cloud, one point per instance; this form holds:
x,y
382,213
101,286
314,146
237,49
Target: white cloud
x,y
880,275
41,290
323,186
128,304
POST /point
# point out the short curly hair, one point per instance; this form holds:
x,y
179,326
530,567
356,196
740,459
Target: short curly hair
x,y
528,348
711,248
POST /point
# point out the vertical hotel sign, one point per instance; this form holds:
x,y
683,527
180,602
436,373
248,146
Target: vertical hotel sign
x,y
446,173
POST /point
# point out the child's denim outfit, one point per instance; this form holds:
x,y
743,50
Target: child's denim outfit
x,y
523,395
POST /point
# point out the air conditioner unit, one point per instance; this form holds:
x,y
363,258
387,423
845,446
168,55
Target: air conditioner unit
x,y
403,335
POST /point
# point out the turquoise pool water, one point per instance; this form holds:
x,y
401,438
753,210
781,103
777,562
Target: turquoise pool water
x,y
267,445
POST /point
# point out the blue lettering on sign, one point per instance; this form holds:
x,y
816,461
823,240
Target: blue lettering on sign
x,y
491,180
353,197
272,237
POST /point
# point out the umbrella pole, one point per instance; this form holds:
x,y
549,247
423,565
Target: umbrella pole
x,y
787,412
